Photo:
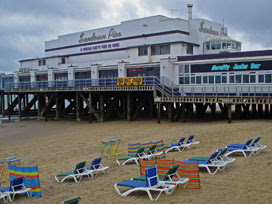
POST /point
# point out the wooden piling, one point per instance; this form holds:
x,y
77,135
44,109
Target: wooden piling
x,y
9,109
129,107
19,106
159,113
229,113
183,113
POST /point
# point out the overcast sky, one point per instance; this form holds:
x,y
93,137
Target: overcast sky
x,y
26,24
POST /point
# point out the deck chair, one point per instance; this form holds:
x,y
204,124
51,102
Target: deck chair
x,y
258,146
170,178
4,196
16,187
76,174
151,152
242,148
135,158
212,162
191,142
96,167
178,146
151,183
72,201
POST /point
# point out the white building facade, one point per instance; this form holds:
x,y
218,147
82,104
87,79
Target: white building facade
x,y
140,47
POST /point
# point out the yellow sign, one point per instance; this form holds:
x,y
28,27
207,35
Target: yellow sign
x,y
130,81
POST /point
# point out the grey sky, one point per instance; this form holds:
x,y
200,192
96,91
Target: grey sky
x,y
26,24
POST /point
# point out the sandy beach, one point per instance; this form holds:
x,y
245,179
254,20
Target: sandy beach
x,y
56,146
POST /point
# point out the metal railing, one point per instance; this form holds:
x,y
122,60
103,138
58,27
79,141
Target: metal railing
x,y
164,85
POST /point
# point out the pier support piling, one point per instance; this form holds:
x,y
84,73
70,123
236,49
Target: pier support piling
x,y
19,106
159,113
229,113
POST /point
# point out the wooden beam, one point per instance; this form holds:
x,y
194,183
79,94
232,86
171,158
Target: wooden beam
x,y
159,113
183,113
91,108
19,106
229,113
101,107
128,107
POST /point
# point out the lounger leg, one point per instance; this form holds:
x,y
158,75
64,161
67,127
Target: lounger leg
x,y
118,162
209,171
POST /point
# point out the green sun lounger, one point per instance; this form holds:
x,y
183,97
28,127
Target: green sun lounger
x,y
135,158
72,201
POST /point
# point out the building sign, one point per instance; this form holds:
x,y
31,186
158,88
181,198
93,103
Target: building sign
x,y
100,47
207,30
94,37
236,66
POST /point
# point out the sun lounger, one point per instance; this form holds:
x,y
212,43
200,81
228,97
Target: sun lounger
x,y
151,183
170,178
212,162
190,141
134,158
178,146
242,148
258,146
72,201
76,174
16,187
4,196
96,167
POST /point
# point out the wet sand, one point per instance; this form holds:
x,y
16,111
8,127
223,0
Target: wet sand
x,y
56,146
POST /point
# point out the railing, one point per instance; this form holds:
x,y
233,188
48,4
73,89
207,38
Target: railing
x,y
164,85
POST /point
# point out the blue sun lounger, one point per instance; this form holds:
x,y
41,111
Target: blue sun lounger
x,y
152,183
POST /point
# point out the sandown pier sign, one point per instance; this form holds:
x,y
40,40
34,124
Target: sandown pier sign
x,y
94,37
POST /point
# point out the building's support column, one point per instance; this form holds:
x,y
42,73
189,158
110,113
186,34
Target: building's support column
x,y
19,106
266,110
124,106
260,110
129,107
101,107
170,112
191,110
213,108
229,113
271,110
183,113
3,104
246,110
40,105
27,100
78,107
89,106
58,107
254,110
159,113
238,110
9,109
46,100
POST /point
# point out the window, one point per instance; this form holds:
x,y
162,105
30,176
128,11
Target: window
x,y
213,46
267,78
181,80
238,78
246,78
261,78
189,49
252,78
218,79
205,79
42,62
218,45
142,51
187,79
83,75
229,44
187,69
211,79
192,79
62,60
207,46
224,45
198,79
231,78
224,78
160,49
181,69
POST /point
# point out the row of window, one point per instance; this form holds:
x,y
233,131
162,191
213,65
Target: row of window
x,y
224,45
232,78
161,50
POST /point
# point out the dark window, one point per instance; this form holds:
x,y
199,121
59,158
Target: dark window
x,y
187,80
198,79
246,78
252,78
43,62
160,49
268,78
147,71
113,73
187,70
62,60
181,69
181,80
224,79
231,79
83,75
211,79
189,49
205,79
193,80
24,78
218,79
261,78
40,62
238,78
142,51
42,77
61,76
